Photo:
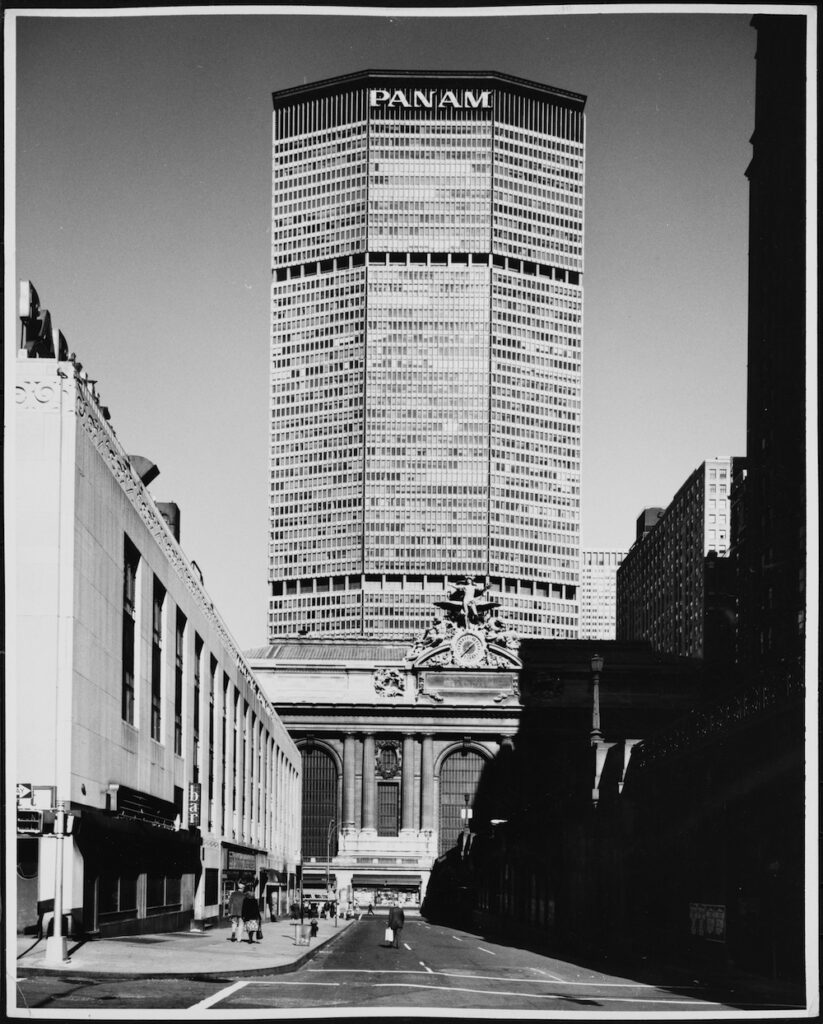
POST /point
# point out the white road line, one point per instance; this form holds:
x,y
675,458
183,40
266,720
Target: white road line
x,y
457,937
408,947
483,948
327,984
224,993
540,995
554,977
592,983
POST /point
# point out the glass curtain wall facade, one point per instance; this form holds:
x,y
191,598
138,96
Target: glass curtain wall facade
x,y
427,260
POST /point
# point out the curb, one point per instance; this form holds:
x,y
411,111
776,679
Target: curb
x,y
206,975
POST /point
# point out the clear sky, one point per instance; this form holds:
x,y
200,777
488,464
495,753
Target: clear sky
x,y
143,195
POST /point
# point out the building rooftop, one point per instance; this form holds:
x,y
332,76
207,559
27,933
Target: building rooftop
x,y
445,78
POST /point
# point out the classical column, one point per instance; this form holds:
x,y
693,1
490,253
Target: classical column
x,y
348,782
427,781
407,798
369,790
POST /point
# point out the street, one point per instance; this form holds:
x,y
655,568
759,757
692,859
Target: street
x,y
436,968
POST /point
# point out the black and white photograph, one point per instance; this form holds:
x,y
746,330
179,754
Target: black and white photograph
x,y
410,512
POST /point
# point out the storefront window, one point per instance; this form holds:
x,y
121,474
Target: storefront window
x,y
162,893
117,894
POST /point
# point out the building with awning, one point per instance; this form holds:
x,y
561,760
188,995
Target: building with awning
x,y
161,775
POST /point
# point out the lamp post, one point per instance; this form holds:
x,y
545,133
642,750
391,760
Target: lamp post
x,y
597,667
329,831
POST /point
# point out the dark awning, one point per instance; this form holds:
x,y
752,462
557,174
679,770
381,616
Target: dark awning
x,y
388,880
114,839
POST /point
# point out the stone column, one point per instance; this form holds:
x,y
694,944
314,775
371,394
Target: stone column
x,y
427,781
348,782
369,787
407,780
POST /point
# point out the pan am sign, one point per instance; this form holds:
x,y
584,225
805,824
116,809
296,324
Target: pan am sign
x,y
439,99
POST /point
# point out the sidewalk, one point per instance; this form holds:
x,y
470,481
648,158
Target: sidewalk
x,y
181,954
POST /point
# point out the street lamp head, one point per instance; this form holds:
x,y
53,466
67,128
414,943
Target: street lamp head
x,y
597,664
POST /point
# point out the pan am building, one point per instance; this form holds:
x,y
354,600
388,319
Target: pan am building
x,y
427,260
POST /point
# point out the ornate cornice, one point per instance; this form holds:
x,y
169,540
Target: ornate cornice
x,y
708,723
35,393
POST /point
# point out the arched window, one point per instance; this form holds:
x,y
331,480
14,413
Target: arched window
x,y
319,803
459,778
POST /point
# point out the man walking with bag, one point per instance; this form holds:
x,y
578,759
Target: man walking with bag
x,y
396,921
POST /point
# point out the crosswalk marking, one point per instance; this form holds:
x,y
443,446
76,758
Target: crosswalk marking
x,y
217,997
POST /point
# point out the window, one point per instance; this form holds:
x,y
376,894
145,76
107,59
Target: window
x,y
179,658
162,892
158,604
198,657
131,561
319,801
212,699
211,894
388,808
117,895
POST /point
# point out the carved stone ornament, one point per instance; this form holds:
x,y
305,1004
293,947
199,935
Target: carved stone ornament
x,y
491,644
389,682
388,760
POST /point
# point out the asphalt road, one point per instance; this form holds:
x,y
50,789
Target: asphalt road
x,y
436,968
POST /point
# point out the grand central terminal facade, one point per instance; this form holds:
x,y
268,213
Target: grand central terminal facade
x,y
395,739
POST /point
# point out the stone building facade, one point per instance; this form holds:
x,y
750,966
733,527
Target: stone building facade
x,y
397,740
132,710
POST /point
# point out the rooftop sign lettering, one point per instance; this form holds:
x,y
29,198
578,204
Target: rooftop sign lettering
x,y
439,99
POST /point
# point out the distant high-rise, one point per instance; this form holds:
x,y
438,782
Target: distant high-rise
x,y
427,258
598,594
665,592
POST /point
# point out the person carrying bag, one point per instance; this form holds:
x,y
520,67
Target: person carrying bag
x,y
251,918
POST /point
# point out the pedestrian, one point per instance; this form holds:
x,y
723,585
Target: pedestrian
x,y
396,921
251,918
313,926
370,911
236,912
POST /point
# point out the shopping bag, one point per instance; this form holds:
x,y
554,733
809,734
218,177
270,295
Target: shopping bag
x,y
389,936
259,933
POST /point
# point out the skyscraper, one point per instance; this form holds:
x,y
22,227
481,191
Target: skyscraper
x,y
427,258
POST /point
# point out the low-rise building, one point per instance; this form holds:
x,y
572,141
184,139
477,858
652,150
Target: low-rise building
x,y
135,718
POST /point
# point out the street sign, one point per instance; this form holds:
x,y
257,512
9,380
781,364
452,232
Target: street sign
x,y
23,792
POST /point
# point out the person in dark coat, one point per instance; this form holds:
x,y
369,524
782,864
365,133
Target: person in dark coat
x,y
236,912
396,921
251,917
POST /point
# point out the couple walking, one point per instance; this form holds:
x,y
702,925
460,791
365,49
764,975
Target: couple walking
x,y
245,915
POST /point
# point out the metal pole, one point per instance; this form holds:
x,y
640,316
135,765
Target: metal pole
x,y
56,949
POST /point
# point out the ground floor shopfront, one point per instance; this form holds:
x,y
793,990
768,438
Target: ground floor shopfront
x,y
123,876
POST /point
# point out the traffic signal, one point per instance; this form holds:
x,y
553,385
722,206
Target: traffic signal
x,y
29,822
